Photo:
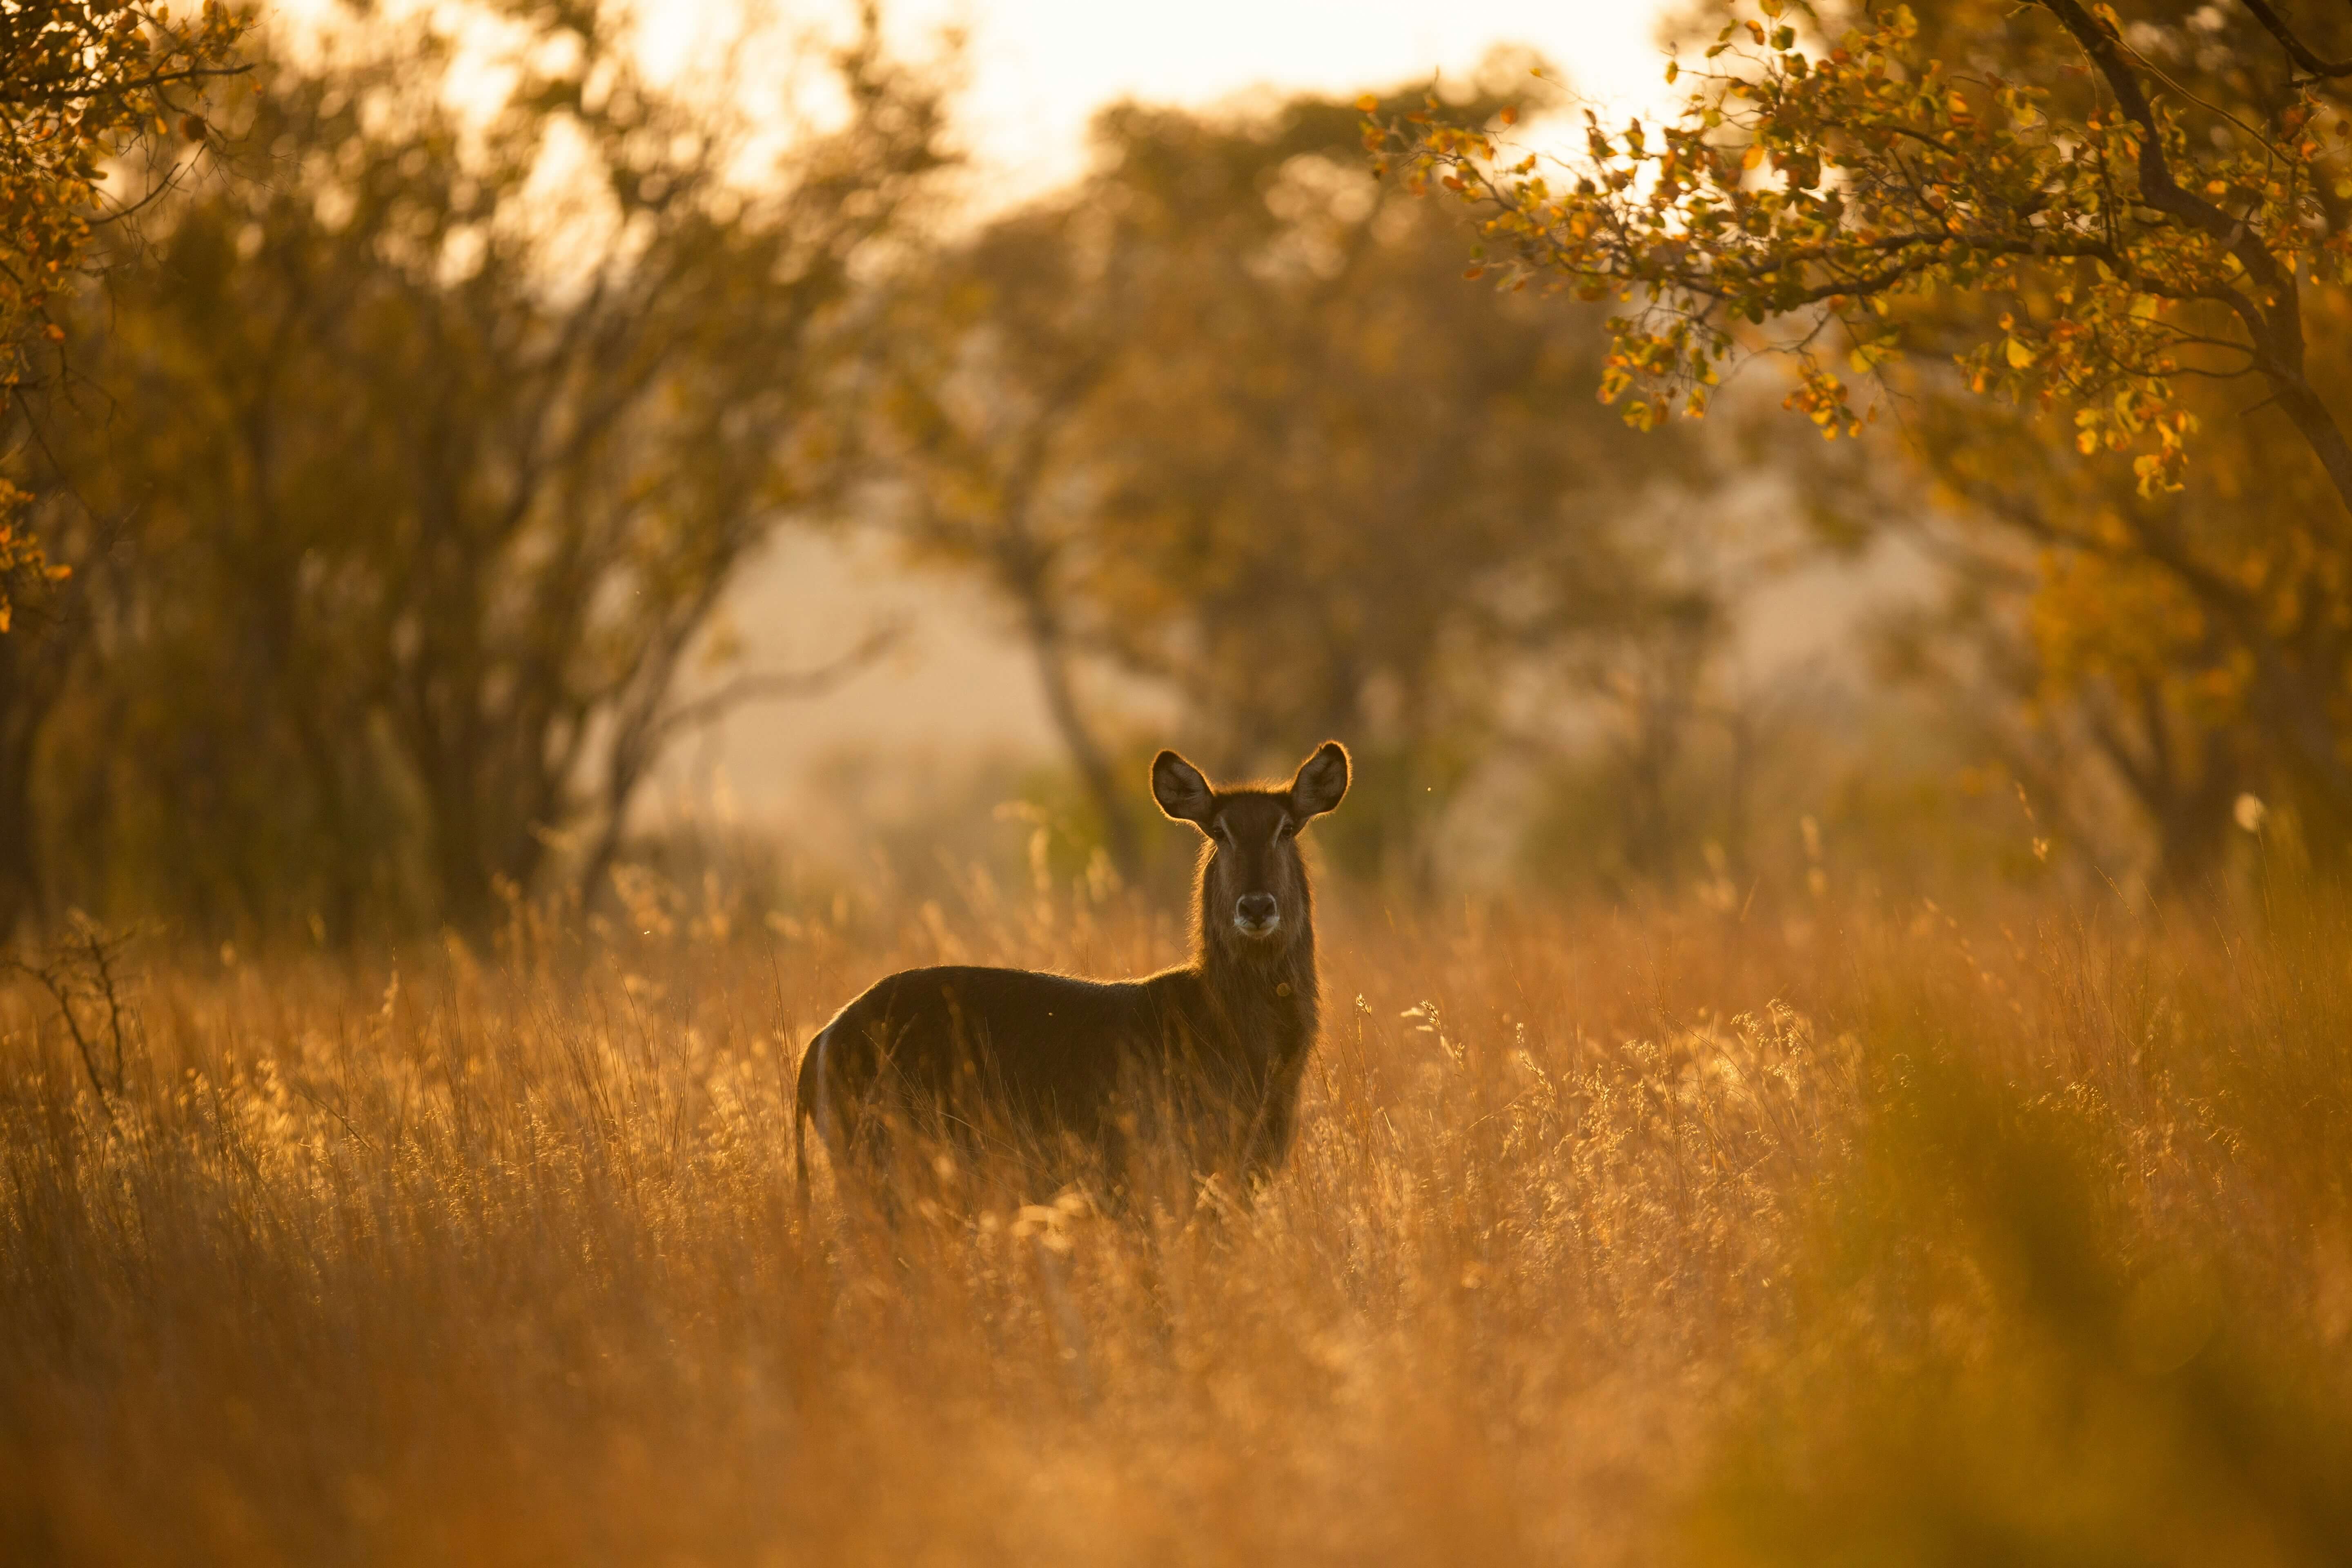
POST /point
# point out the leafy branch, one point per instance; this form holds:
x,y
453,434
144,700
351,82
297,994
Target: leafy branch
x,y
1862,181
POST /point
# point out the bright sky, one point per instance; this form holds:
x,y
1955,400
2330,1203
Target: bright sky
x,y
1038,69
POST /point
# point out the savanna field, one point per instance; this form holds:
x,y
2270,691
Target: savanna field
x,y
1847,1231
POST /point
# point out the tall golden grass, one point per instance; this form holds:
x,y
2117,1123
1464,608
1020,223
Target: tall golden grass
x,y
1876,1235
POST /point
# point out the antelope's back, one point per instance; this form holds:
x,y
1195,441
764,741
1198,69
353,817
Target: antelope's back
x,y
1049,1049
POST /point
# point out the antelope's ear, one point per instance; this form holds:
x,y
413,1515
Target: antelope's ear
x,y
1321,782
1181,789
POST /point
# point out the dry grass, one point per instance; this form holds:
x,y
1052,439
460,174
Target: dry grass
x,y
1668,1238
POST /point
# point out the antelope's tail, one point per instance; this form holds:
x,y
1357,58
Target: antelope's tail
x,y
807,1104
800,1155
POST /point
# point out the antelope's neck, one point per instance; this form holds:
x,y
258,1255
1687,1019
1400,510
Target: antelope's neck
x,y
1272,1000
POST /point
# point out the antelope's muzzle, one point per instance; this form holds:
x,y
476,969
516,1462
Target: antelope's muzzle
x,y
1258,915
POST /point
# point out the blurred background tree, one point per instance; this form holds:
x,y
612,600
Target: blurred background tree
x,y
101,108
998,352
1220,418
2175,651
441,438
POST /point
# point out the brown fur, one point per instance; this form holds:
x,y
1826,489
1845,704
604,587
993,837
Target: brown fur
x,y
1210,1052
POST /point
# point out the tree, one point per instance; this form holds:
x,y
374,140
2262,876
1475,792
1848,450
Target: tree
x,y
442,471
1220,416
1349,496
82,82
995,356
38,658
2085,681
2107,226
2098,629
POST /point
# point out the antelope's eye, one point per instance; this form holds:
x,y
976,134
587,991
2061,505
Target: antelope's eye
x,y
1287,830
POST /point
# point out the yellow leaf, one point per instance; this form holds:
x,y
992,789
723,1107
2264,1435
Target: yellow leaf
x,y
2019,355
1754,155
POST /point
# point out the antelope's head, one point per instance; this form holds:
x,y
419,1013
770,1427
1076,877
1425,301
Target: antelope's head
x,y
1253,885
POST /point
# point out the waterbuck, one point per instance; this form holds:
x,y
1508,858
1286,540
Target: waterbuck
x,y
1203,1061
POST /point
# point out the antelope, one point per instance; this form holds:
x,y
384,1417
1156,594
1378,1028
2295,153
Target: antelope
x,y
1066,1066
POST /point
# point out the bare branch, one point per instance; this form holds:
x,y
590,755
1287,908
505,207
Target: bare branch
x,y
775,685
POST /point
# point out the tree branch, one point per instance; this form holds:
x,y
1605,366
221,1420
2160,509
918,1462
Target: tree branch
x,y
2296,49
771,686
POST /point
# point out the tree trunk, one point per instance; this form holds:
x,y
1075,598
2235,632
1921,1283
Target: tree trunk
x,y
2317,427
462,864
36,656
1047,641
20,867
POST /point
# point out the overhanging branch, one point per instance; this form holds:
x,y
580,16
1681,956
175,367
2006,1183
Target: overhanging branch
x,y
2296,49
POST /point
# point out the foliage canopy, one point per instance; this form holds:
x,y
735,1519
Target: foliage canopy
x,y
80,82
437,467
1837,174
